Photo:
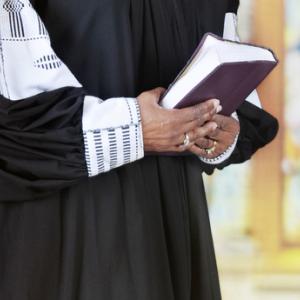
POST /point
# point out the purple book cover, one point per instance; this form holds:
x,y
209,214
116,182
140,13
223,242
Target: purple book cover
x,y
231,83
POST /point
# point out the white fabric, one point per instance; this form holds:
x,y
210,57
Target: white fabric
x,y
112,129
29,66
95,113
91,156
230,31
111,142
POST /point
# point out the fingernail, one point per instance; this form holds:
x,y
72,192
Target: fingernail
x,y
216,103
214,126
219,108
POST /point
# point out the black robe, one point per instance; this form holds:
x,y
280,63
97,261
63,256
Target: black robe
x,y
141,231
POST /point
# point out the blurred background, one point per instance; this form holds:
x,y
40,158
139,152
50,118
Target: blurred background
x,y
255,207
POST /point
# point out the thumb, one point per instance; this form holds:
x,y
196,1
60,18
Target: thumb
x,y
157,93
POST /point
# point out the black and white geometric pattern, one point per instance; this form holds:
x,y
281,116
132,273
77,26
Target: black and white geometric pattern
x,y
20,28
48,62
114,146
14,8
108,149
99,151
25,43
112,130
126,144
42,28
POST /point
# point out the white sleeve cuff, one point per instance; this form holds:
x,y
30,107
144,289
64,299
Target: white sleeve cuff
x,y
112,132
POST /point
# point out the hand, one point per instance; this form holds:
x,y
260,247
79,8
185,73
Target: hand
x,y
164,129
221,138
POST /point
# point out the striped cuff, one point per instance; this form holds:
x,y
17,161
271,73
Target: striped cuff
x,y
112,132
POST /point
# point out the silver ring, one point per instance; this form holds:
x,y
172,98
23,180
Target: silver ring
x,y
186,140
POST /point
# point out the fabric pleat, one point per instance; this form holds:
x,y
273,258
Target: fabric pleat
x,y
41,139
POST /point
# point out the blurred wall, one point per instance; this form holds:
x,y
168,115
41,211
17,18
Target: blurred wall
x,y
255,207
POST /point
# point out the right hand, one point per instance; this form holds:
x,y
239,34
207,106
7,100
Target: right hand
x,y
164,129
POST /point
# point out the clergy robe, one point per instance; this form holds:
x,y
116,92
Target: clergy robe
x,y
78,220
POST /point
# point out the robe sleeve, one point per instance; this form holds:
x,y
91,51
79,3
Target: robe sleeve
x,y
52,134
258,127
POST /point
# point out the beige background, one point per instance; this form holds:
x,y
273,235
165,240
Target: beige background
x,y
254,206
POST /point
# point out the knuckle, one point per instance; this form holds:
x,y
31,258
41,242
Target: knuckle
x,y
197,111
200,122
206,116
211,132
191,135
201,132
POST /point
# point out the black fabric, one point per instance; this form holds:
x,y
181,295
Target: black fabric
x,y
139,232
258,128
129,234
41,144
233,6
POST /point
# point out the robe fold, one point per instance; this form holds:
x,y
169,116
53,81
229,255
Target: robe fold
x,y
140,231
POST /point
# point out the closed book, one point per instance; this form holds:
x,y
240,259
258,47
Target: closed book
x,y
220,69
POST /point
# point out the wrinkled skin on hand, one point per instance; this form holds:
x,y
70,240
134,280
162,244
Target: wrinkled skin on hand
x,y
164,129
225,133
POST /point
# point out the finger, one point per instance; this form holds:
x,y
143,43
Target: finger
x,y
199,131
196,133
198,151
226,123
203,153
216,134
157,93
204,143
221,136
219,119
206,130
184,148
203,111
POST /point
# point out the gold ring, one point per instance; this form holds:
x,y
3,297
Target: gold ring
x,y
211,150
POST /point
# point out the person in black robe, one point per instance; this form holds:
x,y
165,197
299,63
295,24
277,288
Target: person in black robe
x,y
79,219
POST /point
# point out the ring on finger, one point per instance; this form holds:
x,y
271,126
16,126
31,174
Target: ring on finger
x,y
186,140
212,149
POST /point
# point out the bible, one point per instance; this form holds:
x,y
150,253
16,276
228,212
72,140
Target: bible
x,y
220,69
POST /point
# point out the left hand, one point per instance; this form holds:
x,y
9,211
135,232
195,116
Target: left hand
x,y
220,139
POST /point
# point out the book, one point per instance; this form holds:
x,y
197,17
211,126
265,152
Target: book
x,y
221,69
